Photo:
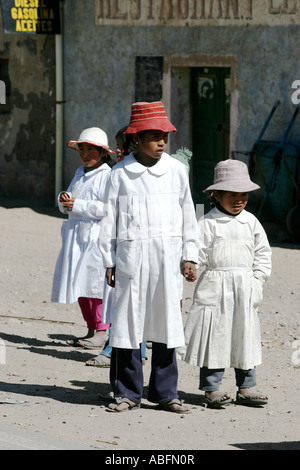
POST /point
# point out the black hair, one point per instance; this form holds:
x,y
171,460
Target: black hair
x,y
127,141
107,158
212,200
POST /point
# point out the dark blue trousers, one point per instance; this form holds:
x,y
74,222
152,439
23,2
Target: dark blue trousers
x,y
126,374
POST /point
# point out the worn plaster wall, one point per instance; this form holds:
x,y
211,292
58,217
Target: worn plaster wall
x,y
27,131
99,81
100,73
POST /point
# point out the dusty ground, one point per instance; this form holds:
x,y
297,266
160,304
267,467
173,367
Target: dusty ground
x,y
64,401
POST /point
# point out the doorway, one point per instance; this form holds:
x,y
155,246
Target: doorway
x,y
210,93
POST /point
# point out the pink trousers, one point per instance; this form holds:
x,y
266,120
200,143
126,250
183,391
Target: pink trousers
x,y
91,310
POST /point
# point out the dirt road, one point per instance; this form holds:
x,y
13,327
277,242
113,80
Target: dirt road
x,y
59,402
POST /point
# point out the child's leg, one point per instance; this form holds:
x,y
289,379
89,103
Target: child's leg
x,y
126,374
164,374
245,379
92,313
210,380
164,379
85,305
96,306
103,360
143,350
106,351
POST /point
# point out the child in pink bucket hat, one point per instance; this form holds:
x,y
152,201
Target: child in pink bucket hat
x,y
148,116
153,227
223,328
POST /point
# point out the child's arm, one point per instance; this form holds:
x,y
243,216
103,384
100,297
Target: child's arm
x,y
92,208
262,263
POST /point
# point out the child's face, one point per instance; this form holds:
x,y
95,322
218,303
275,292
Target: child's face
x,y
232,202
119,149
151,144
90,156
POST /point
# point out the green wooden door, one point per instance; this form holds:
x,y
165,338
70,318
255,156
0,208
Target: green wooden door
x,y
210,98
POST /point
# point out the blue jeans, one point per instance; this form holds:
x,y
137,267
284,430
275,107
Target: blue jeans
x,y
106,351
210,379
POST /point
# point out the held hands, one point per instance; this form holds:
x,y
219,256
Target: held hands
x,y
66,201
188,271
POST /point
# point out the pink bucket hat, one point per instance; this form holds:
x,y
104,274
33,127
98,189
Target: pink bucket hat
x,y
149,116
232,175
94,136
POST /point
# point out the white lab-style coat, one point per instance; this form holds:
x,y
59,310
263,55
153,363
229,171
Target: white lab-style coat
x,y
149,229
79,270
223,327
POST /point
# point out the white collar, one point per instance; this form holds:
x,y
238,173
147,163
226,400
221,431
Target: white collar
x,y
102,167
160,168
242,217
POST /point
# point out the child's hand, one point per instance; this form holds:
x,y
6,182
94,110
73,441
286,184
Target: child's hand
x,y
64,197
189,271
110,276
66,201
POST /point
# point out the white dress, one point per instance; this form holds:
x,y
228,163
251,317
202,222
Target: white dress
x,y
149,229
79,270
223,327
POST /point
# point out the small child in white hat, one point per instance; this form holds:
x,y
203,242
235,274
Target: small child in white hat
x,y
79,273
223,328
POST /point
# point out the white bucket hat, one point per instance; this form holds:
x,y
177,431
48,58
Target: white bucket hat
x,y
94,136
232,175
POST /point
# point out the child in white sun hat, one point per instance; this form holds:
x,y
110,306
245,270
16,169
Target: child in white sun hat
x,y
79,273
223,328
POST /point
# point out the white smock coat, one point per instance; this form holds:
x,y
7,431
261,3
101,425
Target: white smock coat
x,y
149,229
223,327
79,270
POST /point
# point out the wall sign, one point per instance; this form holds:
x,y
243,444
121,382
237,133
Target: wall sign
x,y
31,16
197,12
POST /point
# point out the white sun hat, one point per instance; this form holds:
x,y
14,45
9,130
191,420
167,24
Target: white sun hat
x,y
94,136
232,175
